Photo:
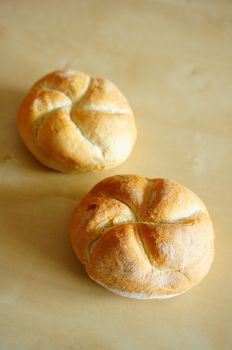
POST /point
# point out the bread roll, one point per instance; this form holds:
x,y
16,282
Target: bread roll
x,y
72,122
143,238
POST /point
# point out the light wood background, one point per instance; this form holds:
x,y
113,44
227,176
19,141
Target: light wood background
x,y
173,61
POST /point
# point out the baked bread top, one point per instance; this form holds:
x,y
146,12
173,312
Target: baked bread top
x,y
143,238
72,122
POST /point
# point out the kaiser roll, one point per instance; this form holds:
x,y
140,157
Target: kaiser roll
x,y
143,238
72,122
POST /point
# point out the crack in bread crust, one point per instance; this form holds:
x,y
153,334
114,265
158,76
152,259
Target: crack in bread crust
x,y
131,210
141,244
158,238
82,96
40,119
150,193
184,221
48,86
74,103
136,227
87,139
106,109
136,223
139,220
65,101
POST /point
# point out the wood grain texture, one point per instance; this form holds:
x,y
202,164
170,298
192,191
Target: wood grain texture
x,y
172,59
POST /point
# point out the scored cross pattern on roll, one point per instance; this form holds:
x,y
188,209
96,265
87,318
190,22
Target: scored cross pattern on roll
x,y
72,122
143,238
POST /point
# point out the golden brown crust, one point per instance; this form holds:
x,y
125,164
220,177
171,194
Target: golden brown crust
x,y
143,237
72,122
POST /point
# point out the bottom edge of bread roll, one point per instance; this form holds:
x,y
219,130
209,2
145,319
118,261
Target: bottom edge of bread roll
x,y
135,295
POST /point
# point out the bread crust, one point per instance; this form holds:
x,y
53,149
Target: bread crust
x,y
74,123
143,238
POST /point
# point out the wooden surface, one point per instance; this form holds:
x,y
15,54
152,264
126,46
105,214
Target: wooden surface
x,y
173,61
